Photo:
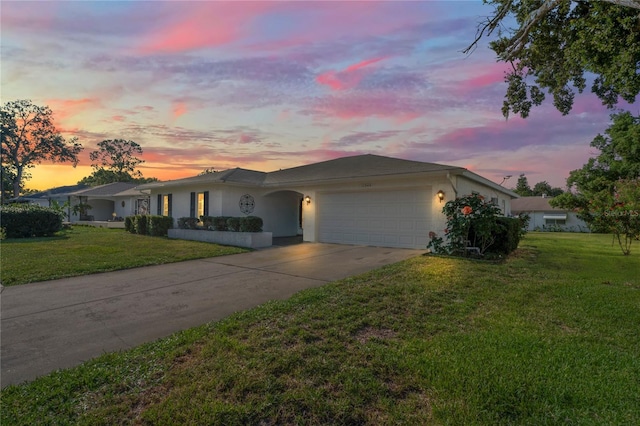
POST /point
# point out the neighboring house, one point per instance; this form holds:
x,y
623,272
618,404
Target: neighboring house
x,y
543,217
121,198
365,199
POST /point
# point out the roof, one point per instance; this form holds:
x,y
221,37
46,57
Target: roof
x,y
533,204
49,193
237,175
353,167
106,190
345,168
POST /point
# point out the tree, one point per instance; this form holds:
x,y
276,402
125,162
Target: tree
x,y
115,161
605,184
543,188
558,43
30,137
522,187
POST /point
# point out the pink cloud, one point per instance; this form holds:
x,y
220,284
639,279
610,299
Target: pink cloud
x,y
348,78
203,25
179,108
66,108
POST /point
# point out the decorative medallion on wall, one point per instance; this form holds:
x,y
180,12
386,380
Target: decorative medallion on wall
x,y
247,204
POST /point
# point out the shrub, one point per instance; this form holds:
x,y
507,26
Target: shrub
x,y
128,224
219,223
3,234
251,224
472,222
508,234
207,222
233,224
141,224
158,226
30,220
188,223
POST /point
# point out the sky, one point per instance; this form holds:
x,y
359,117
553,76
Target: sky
x,y
266,85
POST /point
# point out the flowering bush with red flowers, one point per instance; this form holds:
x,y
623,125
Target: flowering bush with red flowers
x,y
472,222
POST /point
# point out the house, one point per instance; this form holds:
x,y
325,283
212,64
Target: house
x,y
544,217
364,199
121,198
118,199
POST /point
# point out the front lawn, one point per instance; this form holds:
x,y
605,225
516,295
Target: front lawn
x,y
548,337
84,250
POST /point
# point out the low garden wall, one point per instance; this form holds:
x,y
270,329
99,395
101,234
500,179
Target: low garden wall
x,y
227,238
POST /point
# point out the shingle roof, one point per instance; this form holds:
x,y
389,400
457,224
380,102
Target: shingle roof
x,y
359,166
532,204
59,191
352,167
237,175
107,190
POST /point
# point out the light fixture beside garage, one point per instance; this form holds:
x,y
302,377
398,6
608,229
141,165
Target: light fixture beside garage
x,y
307,199
440,195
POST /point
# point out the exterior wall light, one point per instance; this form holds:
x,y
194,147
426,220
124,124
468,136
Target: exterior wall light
x,y
440,195
307,199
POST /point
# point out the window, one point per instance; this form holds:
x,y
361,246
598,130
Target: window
x,y
555,219
199,204
164,204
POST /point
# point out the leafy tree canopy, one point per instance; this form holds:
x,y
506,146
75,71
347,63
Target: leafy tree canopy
x,y
558,43
28,138
541,188
608,182
116,160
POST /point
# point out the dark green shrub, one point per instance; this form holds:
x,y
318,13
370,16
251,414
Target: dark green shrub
x,y
141,224
187,223
219,223
30,220
507,235
207,222
158,226
233,224
128,224
251,224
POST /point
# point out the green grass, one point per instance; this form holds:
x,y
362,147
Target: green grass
x,y
84,250
548,337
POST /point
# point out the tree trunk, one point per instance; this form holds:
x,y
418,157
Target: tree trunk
x,y
16,182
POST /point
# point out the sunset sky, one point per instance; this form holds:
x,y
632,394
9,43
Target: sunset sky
x,y
267,85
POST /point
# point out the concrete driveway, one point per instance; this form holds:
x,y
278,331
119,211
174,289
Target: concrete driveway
x,y
59,324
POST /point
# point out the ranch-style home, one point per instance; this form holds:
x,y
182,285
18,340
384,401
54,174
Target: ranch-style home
x,y
543,217
365,199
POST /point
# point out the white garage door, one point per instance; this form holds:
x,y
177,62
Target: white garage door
x,y
385,219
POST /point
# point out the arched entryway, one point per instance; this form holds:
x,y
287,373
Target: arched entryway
x,y
283,217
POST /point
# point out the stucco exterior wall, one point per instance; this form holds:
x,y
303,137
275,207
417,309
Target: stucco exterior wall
x,y
467,187
537,222
278,209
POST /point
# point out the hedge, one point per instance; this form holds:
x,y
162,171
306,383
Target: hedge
x,y
223,223
154,225
251,224
30,220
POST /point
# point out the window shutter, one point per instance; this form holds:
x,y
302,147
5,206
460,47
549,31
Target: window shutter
x,y
206,203
159,206
192,206
170,199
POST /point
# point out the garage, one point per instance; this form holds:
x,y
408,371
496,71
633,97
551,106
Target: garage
x,y
376,218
